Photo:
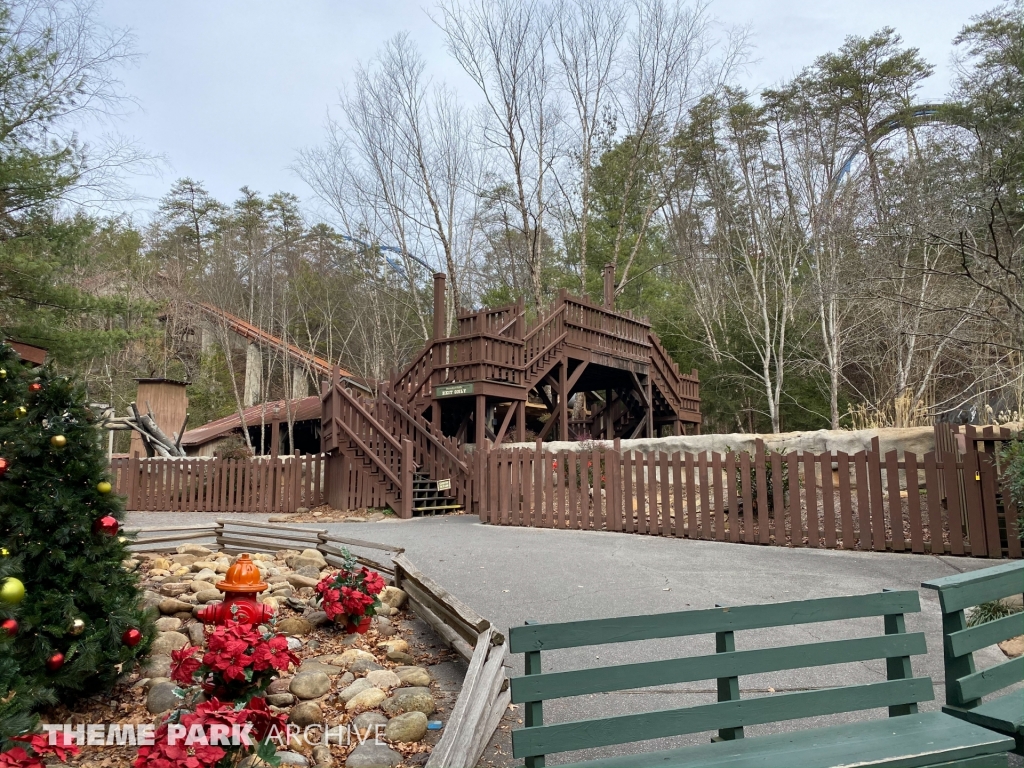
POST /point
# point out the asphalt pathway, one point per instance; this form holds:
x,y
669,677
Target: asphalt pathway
x,y
510,575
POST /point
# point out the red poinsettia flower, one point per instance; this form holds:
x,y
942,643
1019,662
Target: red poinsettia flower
x,y
262,718
184,665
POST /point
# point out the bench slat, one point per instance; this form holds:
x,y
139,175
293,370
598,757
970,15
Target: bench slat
x,y
967,589
992,679
1004,714
984,635
603,732
910,740
573,634
554,685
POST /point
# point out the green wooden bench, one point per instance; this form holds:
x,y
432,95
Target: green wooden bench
x,y
965,686
906,738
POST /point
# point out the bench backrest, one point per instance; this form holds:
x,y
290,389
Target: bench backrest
x,y
900,692
965,686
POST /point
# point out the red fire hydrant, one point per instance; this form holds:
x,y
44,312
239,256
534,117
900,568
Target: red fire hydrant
x,y
241,585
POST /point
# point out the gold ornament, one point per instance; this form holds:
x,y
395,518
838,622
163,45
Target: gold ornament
x,y
3,373
122,539
77,627
4,552
12,592
104,487
20,411
58,441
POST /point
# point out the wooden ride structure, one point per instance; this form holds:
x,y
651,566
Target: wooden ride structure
x,y
482,386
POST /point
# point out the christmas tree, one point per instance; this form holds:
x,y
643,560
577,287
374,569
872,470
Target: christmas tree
x,y
80,624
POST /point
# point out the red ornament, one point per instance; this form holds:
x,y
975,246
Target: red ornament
x,y
4,466
10,627
106,525
55,662
35,386
131,637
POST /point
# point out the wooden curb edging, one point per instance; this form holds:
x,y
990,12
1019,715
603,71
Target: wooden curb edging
x,y
485,694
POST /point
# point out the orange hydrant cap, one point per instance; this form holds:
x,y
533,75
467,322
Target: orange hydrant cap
x,y
243,576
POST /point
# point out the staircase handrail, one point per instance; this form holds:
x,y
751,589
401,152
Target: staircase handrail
x,y
425,432
385,434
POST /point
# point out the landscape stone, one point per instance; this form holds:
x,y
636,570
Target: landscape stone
x,y
367,699
280,699
306,557
171,605
373,517
161,564
161,698
209,595
406,728
168,624
280,685
157,666
383,678
193,549
306,713
346,680
1013,647
168,641
207,574
294,625
298,581
318,618
271,602
400,657
354,519
309,570
362,666
288,757
410,700
354,689
183,559
371,755
394,644
351,656
322,756
175,589
199,585
368,720
311,685
316,666
196,634
393,596
413,676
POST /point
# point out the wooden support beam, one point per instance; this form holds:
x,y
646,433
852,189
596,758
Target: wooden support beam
x,y
563,402
576,376
504,424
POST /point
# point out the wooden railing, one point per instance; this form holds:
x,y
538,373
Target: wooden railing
x,y
262,484
682,392
503,321
604,330
865,500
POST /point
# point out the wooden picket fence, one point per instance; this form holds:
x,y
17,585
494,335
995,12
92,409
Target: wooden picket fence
x,y
261,484
865,500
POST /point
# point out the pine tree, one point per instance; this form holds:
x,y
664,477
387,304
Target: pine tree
x,y
79,599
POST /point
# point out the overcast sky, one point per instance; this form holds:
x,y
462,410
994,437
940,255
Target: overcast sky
x,y
229,91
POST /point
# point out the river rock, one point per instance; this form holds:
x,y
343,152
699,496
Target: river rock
x,y
371,755
415,699
294,625
362,666
298,581
416,677
354,689
394,644
271,602
368,721
306,557
175,589
400,657
1013,647
171,605
311,685
351,656
367,699
383,678
168,624
393,596
162,697
280,685
168,641
317,666
306,713
193,549
157,666
196,633
321,755
409,727
280,699
310,571
209,595
206,574
160,563
287,757
318,618
183,560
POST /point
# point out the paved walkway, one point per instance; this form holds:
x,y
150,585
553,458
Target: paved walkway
x,y
512,574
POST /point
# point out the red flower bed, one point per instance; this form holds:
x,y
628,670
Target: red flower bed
x,y
349,596
240,661
36,748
